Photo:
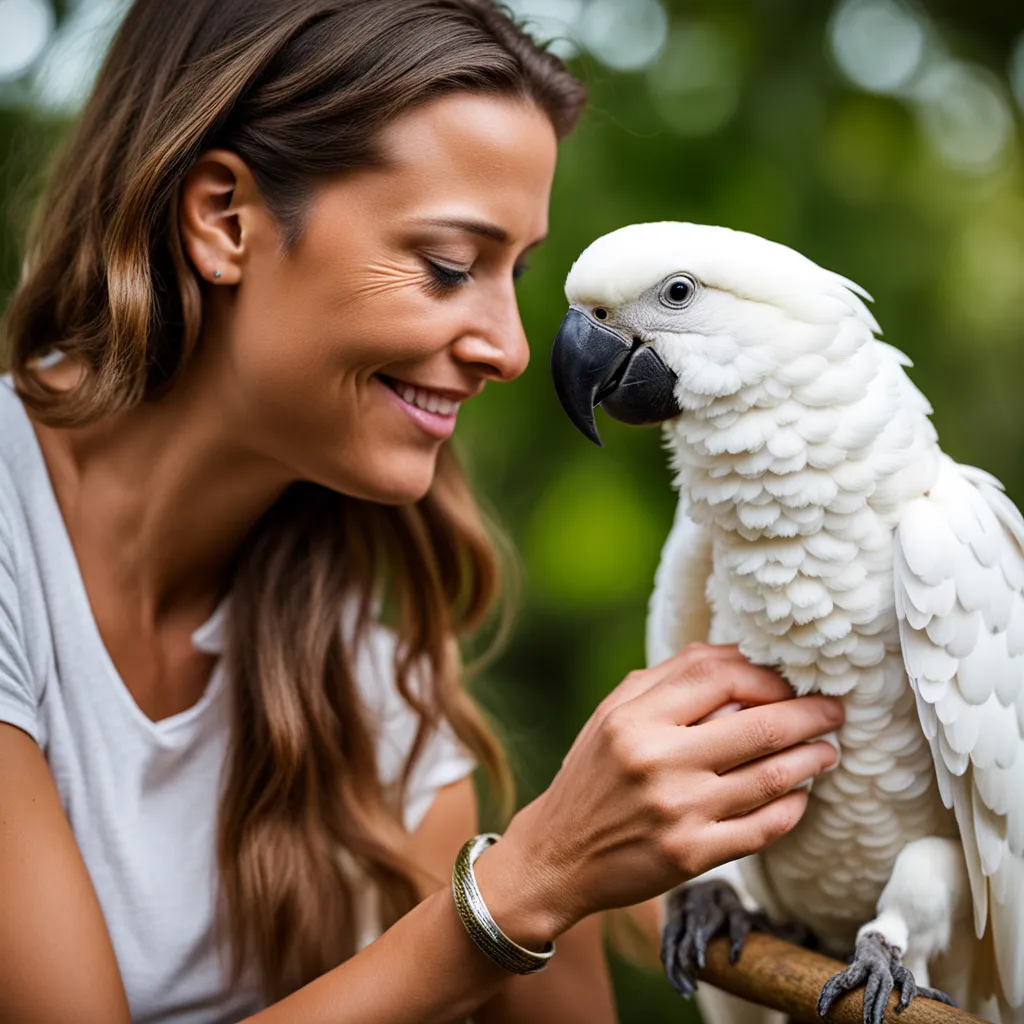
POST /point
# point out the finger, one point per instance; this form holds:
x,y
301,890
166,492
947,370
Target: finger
x,y
642,680
754,785
756,732
738,837
679,666
705,685
634,684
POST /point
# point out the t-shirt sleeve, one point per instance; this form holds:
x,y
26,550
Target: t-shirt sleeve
x,y
442,759
19,703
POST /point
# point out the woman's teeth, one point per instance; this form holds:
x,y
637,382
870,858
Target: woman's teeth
x,y
427,400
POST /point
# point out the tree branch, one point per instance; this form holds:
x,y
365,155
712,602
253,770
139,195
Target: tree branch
x,y
785,977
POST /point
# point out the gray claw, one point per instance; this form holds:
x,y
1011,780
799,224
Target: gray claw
x,y
876,965
696,914
739,929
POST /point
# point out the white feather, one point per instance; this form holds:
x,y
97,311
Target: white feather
x,y
987,791
821,528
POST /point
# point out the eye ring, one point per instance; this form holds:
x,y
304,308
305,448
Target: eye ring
x,y
601,313
679,291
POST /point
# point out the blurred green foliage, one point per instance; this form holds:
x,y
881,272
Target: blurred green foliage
x,y
782,145
847,178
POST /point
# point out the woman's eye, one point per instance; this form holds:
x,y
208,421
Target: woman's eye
x,y
446,278
518,270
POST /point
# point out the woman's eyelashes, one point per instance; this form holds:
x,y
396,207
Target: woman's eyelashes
x,y
444,278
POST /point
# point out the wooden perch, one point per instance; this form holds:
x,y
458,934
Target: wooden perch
x,y
785,977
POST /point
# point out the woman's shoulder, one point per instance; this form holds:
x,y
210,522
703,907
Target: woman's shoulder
x,y
20,574
24,481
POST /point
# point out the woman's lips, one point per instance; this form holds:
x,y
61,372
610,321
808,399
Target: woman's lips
x,y
437,424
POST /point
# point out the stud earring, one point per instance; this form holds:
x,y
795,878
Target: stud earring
x,y
216,273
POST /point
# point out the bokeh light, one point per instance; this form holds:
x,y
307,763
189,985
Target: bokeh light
x,y
25,27
966,115
890,47
695,82
1017,70
624,34
65,75
555,23
877,43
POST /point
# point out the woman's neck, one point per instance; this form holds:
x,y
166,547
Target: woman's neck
x,y
158,499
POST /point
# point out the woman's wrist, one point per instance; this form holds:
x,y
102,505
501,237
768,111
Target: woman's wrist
x,y
523,892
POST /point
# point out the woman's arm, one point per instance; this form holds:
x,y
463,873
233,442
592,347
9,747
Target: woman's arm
x,y
57,964
575,986
425,968
642,802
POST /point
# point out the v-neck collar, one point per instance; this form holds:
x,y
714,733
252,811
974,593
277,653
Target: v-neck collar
x,y
208,638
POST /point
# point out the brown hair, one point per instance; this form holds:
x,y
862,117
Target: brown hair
x,y
300,90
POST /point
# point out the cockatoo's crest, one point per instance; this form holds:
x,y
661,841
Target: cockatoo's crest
x,y
621,266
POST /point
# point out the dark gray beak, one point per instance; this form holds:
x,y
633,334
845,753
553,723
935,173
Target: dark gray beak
x,y
592,365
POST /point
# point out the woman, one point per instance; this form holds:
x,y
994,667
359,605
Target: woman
x,y
237,551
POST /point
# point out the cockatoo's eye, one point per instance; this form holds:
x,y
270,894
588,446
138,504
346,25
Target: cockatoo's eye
x,y
601,313
679,291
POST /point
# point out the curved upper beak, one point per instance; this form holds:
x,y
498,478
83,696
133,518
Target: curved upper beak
x,y
592,365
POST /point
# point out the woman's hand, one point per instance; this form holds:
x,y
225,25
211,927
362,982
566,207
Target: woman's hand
x,y
650,795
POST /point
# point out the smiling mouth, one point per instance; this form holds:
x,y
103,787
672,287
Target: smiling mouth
x,y
422,398
429,401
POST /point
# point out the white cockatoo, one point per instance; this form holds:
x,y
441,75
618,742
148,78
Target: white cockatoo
x,y
821,527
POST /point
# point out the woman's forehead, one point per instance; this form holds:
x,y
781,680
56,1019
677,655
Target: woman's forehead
x,y
491,158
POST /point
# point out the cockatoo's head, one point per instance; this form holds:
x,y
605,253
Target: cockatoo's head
x,y
669,316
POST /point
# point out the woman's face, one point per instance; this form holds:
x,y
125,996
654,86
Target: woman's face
x,y
349,355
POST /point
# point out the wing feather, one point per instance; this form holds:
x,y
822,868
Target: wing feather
x,y
965,659
679,612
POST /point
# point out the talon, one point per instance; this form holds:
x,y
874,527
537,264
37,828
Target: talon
x,y
826,997
936,994
696,914
876,997
837,985
702,948
906,984
876,965
739,929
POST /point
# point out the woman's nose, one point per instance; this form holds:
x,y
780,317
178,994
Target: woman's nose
x,y
500,351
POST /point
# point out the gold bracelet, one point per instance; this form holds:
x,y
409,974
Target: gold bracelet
x,y
477,920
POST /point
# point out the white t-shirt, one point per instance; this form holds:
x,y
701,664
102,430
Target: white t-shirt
x,y
142,796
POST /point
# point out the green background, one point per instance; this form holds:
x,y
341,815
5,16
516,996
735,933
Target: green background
x,y
745,118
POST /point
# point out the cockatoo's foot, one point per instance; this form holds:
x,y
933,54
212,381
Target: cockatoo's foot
x,y
694,915
876,965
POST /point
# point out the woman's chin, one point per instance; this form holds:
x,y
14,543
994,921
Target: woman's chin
x,y
397,481
401,495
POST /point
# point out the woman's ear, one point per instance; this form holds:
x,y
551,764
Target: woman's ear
x,y
221,216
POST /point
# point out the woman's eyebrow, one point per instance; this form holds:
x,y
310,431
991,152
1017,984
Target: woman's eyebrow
x,y
474,227
478,227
